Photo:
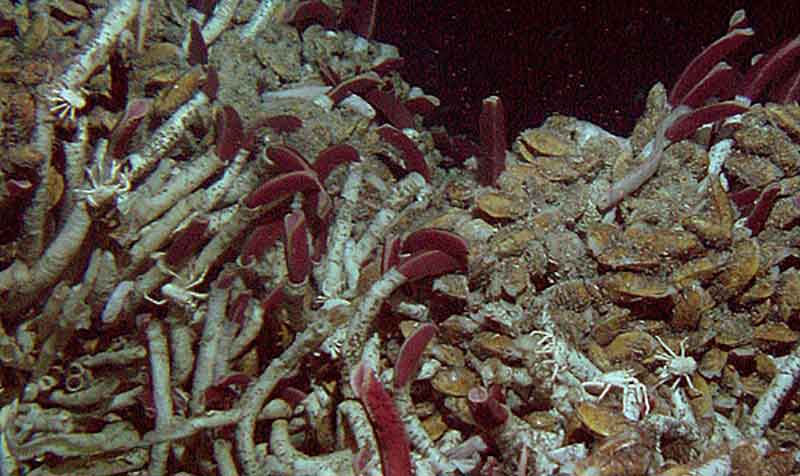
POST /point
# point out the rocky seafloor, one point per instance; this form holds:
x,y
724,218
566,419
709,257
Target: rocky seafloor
x,y
230,245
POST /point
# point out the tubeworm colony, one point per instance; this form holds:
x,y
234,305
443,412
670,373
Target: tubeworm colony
x,y
231,245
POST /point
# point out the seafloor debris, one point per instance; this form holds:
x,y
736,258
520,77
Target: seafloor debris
x,y
230,246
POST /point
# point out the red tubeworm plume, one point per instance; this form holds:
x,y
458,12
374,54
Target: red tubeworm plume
x,y
714,83
229,133
297,254
275,298
428,263
456,149
295,235
287,158
390,254
198,51
188,241
769,67
685,125
388,65
125,128
492,127
707,75
422,105
436,239
789,90
329,75
486,409
413,159
290,160
118,91
356,85
281,187
700,66
239,306
211,84
744,199
303,13
393,443
410,357
259,241
763,206
392,109
333,156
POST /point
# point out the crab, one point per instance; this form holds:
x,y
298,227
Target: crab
x,y
635,401
679,366
180,290
105,181
549,344
634,392
65,102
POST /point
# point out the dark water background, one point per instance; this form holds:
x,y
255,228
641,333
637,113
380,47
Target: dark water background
x,y
592,59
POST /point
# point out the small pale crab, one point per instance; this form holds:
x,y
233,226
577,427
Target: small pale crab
x,y
549,344
679,366
180,290
105,179
633,391
66,102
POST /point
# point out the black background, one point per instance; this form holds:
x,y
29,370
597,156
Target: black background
x,y
592,59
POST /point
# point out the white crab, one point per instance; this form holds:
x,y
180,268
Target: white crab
x,y
677,367
179,290
105,181
66,102
549,344
634,392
